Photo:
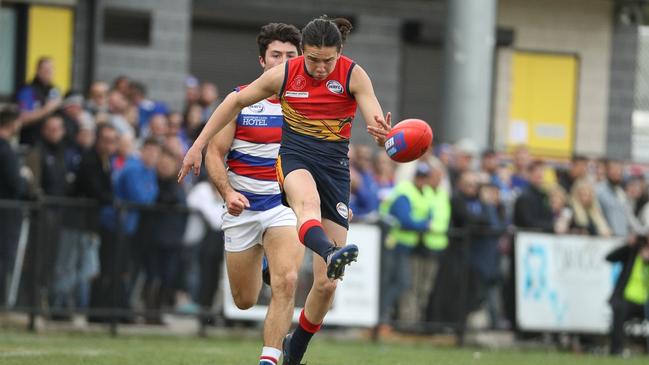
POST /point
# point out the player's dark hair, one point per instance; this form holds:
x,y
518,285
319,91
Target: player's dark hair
x,y
277,32
325,32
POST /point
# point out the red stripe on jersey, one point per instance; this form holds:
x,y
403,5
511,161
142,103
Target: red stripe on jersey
x,y
254,172
259,135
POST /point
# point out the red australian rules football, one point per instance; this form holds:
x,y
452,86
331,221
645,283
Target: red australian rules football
x,y
408,140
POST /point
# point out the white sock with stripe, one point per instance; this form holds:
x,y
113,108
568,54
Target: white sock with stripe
x,y
269,356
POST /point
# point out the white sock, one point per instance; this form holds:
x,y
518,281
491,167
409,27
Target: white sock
x,y
269,356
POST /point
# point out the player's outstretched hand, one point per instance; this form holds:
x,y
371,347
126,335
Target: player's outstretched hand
x,y
236,203
192,160
380,132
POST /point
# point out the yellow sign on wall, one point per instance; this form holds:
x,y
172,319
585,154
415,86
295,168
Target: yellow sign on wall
x,y
543,103
50,33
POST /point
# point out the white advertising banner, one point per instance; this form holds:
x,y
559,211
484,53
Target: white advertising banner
x,y
563,282
357,297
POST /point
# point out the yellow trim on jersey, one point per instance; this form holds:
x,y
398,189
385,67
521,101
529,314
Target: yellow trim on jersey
x,y
279,172
325,129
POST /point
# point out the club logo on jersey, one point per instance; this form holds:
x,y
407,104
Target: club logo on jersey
x,y
297,94
298,82
256,108
395,144
341,208
335,87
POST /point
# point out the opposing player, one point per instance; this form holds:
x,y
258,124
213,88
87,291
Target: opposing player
x,y
319,92
257,222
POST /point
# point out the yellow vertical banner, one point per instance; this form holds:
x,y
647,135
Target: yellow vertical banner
x,y
543,103
50,33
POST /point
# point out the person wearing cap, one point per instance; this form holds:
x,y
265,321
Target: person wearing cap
x,y
463,153
426,255
74,116
97,101
410,212
192,92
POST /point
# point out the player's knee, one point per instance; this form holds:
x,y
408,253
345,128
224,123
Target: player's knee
x,y
243,301
325,288
284,285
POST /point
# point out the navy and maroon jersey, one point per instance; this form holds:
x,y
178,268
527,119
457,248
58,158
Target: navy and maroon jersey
x,y
318,114
252,157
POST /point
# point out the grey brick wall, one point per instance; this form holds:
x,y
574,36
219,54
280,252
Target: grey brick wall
x,y
375,43
162,66
377,33
622,92
80,52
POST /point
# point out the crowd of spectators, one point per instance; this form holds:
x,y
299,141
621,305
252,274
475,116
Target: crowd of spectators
x,y
115,144
111,145
477,200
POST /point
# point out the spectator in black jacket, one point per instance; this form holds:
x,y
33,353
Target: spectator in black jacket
x,y
469,220
578,169
12,186
162,233
532,208
47,159
630,294
94,182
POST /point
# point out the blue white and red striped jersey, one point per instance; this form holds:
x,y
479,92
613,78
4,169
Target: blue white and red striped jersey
x,y
252,157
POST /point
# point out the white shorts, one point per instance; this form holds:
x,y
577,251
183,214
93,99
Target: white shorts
x,y
247,229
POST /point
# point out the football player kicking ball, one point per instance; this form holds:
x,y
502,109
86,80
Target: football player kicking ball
x,y
319,93
257,222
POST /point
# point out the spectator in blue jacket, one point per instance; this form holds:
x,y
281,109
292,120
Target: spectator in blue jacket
x,y
137,182
364,198
146,107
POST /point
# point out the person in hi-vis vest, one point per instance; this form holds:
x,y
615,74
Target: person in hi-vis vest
x,y
419,213
631,293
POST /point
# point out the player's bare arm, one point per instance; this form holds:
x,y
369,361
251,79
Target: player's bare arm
x,y
265,86
361,87
217,150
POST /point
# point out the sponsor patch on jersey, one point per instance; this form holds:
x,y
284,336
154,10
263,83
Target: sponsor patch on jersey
x,y
395,144
256,108
297,94
341,208
298,83
335,87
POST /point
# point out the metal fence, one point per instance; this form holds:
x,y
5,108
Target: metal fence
x,y
124,263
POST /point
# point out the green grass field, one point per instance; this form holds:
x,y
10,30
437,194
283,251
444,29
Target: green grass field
x,y
19,348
